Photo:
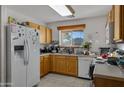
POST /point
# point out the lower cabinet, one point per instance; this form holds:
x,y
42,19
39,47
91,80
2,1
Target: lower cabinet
x,y
45,65
107,82
72,65
59,64
64,64
53,65
41,66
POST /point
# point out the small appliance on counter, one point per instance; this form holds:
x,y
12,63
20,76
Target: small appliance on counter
x,y
104,50
112,60
120,62
50,48
55,49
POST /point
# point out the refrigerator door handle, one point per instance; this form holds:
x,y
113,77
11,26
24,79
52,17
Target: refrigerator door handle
x,y
25,53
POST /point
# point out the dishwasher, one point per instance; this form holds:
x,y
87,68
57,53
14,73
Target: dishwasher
x,y
84,66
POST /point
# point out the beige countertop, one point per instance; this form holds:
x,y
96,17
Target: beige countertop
x,y
108,71
45,54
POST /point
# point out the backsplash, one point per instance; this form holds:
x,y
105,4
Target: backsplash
x,y
120,46
43,45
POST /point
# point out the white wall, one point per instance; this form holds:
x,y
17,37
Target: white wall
x,y
21,17
120,46
95,30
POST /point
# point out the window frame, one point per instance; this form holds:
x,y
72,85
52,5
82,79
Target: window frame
x,y
60,38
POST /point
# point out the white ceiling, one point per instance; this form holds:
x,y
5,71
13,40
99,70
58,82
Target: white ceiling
x,y
46,14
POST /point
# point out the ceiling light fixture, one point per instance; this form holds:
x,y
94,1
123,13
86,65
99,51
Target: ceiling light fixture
x,y
63,10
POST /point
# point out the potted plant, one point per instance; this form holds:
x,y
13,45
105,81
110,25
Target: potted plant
x,y
87,45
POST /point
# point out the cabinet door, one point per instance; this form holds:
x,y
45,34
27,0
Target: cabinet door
x,y
72,66
46,64
122,22
50,63
41,66
112,13
61,65
42,32
53,63
45,67
42,69
117,23
32,25
49,35
57,64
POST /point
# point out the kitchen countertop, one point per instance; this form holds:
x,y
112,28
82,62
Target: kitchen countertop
x,y
109,72
45,54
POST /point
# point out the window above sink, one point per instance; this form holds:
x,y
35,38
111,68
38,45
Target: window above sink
x,y
71,36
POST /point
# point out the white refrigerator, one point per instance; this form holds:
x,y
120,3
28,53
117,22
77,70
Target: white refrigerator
x,y
23,56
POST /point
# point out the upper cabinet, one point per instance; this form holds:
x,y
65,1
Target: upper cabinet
x,y
110,27
48,35
115,24
44,32
32,25
110,16
45,35
118,23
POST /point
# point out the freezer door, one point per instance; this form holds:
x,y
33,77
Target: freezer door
x,y
33,67
16,69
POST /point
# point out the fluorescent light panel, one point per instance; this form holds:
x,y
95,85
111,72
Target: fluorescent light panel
x,y
62,10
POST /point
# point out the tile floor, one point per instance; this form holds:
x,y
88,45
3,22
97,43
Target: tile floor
x,y
57,80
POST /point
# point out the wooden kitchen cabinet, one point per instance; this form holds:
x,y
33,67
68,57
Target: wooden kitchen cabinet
x,y
44,65
42,33
50,63
107,82
32,25
64,64
118,23
61,64
110,27
58,64
110,17
107,76
72,65
48,35
53,63
45,35
41,66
